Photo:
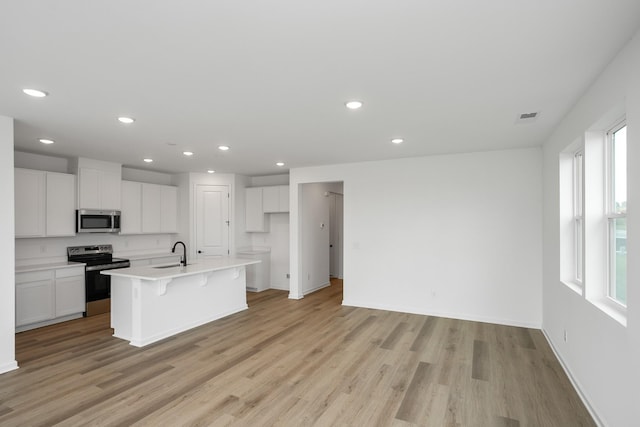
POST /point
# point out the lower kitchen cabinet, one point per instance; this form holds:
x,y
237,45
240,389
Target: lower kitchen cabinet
x,y
35,297
258,275
70,297
49,296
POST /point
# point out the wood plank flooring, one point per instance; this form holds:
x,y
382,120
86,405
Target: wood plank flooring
x,y
292,363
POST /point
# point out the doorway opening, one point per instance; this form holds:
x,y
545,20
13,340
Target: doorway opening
x,y
321,207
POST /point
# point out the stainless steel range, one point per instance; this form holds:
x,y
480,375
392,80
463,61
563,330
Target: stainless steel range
x,y
98,286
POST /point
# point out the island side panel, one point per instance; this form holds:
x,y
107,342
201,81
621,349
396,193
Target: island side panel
x,y
187,302
121,307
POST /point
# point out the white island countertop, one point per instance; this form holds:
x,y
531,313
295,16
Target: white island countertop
x,y
172,271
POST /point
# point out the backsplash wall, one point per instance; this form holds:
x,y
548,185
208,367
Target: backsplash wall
x,y
54,249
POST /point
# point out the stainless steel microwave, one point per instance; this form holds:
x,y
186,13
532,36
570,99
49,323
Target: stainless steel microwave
x,y
97,221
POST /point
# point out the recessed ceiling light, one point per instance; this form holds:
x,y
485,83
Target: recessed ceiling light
x,y
223,147
280,164
35,93
147,160
46,141
210,171
187,153
126,120
397,140
353,105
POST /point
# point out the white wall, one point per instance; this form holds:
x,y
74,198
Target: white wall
x,y
41,162
54,249
602,356
456,236
7,269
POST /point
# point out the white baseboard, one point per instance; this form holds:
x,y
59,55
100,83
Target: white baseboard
x,y
9,366
317,288
575,383
460,316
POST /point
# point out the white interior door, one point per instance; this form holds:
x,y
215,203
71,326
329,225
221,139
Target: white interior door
x,y
212,221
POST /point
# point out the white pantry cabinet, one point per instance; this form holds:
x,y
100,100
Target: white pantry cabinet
x,y
44,203
49,296
148,208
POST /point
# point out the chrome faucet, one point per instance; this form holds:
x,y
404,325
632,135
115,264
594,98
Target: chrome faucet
x,y
183,261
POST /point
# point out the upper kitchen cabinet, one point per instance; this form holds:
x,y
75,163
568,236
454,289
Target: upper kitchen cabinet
x,y
131,216
44,203
275,199
61,203
30,204
168,209
148,208
255,220
99,184
261,201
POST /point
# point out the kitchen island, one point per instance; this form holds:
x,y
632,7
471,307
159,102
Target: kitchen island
x,y
150,303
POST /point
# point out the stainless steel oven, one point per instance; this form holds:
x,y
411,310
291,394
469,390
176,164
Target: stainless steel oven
x,y
97,286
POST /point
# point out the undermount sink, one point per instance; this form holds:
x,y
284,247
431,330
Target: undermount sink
x,y
167,266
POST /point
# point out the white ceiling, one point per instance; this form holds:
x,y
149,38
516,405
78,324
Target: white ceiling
x,y
270,78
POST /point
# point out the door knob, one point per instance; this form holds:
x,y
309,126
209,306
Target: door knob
x,y
199,252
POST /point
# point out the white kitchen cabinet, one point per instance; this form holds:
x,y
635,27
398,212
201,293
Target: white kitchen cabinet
x,y
34,297
151,208
255,219
258,275
168,209
44,203
29,203
49,296
70,291
98,189
60,202
148,208
131,216
275,199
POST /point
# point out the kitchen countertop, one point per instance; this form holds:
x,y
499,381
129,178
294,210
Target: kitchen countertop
x,y
49,266
149,272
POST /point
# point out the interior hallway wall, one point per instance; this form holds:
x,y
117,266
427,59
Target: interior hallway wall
x,y
7,256
455,236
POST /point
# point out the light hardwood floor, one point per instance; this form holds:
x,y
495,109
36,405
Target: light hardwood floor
x,y
292,363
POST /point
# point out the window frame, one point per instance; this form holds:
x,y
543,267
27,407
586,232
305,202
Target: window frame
x,y
612,214
578,217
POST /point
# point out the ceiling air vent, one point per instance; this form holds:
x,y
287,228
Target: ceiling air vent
x,y
527,117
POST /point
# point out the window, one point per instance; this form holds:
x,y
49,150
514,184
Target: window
x,y
617,213
578,217
572,165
